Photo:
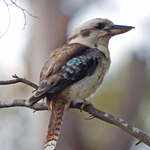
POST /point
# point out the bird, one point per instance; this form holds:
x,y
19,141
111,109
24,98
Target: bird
x,y
74,71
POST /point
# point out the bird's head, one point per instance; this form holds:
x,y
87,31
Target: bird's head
x,y
97,32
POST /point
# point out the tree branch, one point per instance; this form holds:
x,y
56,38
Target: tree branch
x,y
17,80
22,103
134,131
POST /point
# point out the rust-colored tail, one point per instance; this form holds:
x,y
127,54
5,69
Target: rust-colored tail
x,y
54,124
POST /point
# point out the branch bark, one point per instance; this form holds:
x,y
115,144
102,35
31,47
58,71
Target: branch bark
x,y
134,131
22,103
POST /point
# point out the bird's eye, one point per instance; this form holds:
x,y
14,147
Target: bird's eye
x,y
100,26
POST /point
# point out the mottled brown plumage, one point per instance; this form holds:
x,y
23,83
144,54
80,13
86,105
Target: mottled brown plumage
x,y
77,61
75,71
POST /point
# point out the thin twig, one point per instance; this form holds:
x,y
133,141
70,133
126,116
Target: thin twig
x,y
17,80
8,19
23,11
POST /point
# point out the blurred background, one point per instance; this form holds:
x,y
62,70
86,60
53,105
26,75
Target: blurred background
x,y
126,89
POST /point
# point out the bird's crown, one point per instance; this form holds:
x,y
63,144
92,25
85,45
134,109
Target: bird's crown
x,y
96,23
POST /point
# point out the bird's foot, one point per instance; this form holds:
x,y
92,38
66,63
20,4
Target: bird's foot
x,y
85,102
90,117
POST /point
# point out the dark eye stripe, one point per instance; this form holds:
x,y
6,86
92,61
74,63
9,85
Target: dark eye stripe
x,y
85,32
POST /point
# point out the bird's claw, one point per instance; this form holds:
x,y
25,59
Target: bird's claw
x,y
90,117
85,102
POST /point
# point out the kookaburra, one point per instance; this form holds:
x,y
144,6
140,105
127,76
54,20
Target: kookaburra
x,y
74,71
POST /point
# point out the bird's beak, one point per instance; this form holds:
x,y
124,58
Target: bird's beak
x,y
118,29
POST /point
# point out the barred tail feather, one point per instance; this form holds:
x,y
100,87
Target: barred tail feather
x,y
54,124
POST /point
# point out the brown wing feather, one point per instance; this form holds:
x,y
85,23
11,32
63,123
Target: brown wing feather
x,y
76,69
59,57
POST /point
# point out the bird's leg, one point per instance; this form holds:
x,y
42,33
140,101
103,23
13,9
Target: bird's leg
x,y
85,102
48,103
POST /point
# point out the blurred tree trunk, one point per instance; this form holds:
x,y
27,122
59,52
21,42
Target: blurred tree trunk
x,y
131,97
48,33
